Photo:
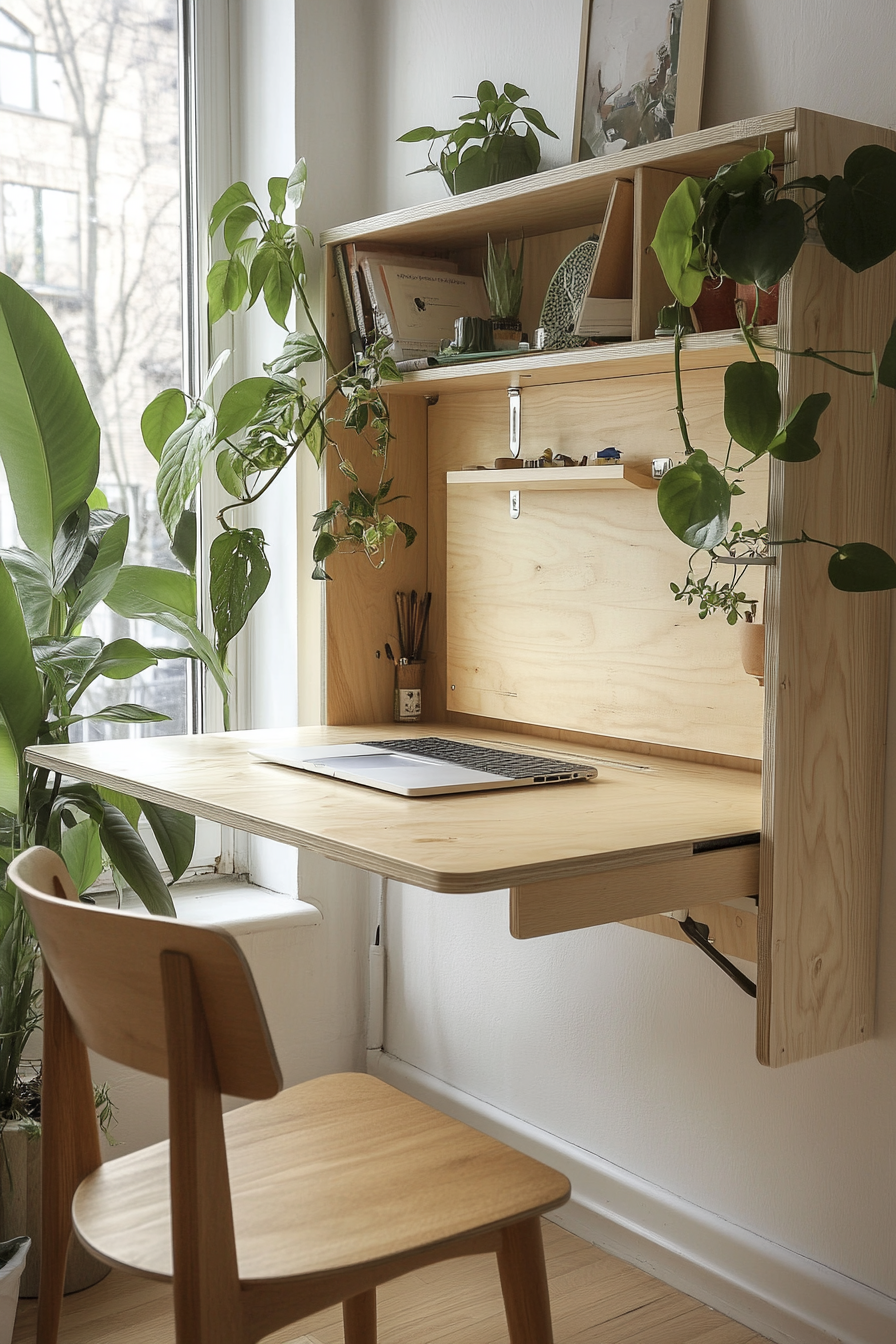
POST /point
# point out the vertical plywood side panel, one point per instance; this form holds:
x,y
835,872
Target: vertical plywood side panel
x,y
653,187
827,660
359,602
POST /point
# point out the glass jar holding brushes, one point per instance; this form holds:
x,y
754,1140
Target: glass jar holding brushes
x,y
413,615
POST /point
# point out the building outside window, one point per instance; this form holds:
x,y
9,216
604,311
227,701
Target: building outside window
x,y
90,224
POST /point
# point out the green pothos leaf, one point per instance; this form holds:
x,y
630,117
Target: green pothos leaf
x,y
796,441
859,567
694,502
238,575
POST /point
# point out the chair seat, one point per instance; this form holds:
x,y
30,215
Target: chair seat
x,y
332,1174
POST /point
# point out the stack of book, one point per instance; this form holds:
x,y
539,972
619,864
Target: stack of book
x,y
413,300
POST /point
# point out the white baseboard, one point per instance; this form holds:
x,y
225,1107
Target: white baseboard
x,y
775,1291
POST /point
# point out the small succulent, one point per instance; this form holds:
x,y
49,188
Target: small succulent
x,y
503,284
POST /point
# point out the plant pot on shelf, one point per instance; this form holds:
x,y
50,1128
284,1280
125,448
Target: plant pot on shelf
x,y
20,1213
767,313
714,309
12,1263
507,157
752,649
507,332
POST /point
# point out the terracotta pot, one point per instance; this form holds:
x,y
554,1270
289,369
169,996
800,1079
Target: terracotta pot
x,y
752,649
767,315
20,1214
714,309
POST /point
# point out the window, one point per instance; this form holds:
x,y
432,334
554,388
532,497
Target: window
x,y
90,223
41,245
30,80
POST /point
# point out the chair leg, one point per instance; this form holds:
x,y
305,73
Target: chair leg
x,y
359,1318
524,1284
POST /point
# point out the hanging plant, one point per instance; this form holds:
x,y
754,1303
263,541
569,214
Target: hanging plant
x,y
741,223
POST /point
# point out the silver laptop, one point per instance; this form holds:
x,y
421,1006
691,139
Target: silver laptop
x,y
421,766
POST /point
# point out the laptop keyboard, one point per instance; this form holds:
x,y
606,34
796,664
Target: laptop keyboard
x,y
510,764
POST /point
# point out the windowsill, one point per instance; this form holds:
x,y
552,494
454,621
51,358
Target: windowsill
x,y
227,903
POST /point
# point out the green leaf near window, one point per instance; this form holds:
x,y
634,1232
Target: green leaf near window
x,y
21,694
240,404
796,441
118,661
238,575
183,543
752,404
759,241
857,218
235,195
102,574
133,860
295,186
694,501
82,853
180,466
175,834
144,590
277,194
68,547
34,588
49,437
859,567
164,414
227,284
675,244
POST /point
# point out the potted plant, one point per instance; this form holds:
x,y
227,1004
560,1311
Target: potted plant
x,y
488,146
51,674
504,287
260,424
741,224
12,1262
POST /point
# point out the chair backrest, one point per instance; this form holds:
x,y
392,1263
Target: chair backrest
x,y
106,966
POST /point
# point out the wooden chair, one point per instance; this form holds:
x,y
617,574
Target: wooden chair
x,y
309,1197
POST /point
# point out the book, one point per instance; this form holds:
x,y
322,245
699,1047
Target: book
x,y
354,335
423,304
382,318
355,286
605,317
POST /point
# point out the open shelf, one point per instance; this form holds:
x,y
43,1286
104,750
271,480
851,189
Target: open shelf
x,y
709,349
618,477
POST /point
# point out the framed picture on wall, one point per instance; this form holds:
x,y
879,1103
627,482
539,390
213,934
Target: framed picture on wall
x,y
641,65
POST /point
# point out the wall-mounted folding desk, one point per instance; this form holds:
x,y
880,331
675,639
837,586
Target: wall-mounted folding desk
x,y
553,626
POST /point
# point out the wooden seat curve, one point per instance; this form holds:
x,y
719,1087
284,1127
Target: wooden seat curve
x,y
308,1197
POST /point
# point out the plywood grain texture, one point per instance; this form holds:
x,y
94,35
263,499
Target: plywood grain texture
x,y
637,811
359,602
733,931
825,724
603,898
564,616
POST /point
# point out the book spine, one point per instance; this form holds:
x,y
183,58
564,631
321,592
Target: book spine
x,y
355,283
354,334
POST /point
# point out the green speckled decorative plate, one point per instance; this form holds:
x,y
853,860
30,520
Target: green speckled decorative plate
x,y
566,296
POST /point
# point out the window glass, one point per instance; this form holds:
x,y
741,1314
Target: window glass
x,y
91,223
12,33
20,233
50,85
16,78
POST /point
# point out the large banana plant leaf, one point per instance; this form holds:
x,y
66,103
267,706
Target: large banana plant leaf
x,y
21,694
49,437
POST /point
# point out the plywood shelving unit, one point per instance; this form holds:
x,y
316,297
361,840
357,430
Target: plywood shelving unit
x,y
560,622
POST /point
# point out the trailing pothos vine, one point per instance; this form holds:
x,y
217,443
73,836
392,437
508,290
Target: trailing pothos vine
x,y
742,224
261,423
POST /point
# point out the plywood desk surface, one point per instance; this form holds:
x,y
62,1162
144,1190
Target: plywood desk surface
x,y
640,810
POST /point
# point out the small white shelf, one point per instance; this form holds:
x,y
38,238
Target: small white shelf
x,y
618,477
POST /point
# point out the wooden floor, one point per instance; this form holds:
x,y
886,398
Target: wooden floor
x,y
596,1299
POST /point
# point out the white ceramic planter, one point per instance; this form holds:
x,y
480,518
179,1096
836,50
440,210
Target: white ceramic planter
x,y
10,1274
20,1214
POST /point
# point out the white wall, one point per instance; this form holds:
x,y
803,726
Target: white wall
x,y
632,1047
